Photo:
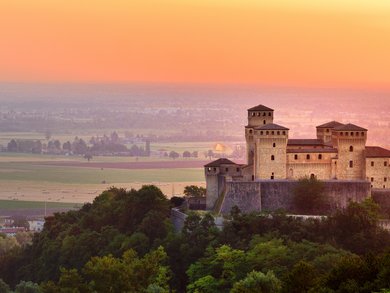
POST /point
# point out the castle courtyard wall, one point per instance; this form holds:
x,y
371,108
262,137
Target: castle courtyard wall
x,y
272,195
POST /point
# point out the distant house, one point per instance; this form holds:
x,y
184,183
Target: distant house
x,y
36,225
196,203
12,231
6,221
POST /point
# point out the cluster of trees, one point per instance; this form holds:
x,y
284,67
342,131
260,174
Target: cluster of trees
x,y
97,146
124,242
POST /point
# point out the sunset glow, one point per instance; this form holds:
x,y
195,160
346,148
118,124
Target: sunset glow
x,y
328,44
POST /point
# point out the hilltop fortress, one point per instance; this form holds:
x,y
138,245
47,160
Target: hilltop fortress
x,y
338,156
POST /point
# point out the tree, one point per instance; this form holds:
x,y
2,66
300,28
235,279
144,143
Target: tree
x,y
257,282
47,134
173,155
301,278
186,154
309,197
88,156
27,287
210,154
194,191
4,288
67,146
147,148
12,146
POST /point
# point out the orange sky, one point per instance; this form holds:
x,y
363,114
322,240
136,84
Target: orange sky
x,y
333,43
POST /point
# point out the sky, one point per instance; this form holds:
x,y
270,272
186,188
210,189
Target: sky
x,y
321,43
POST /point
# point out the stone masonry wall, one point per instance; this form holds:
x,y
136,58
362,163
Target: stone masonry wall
x,y
271,195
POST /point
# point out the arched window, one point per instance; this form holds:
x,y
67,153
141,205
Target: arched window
x,y
258,113
267,132
264,122
272,158
264,114
278,133
261,133
295,157
362,133
385,164
272,176
250,131
312,176
274,145
351,148
320,157
269,114
253,114
341,133
350,164
284,132
272,132
307,157
351,133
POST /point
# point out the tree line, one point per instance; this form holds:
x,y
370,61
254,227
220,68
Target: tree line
x,y
124,242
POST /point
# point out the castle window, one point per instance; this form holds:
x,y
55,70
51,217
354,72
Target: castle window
x,y
253,114
272,176
385,164
351,148
295,157
307,157
209,169
372,179
274,145
261,133
385,179
250,131
227,169
238,169
351,133
372,164
350,164
362,133
272,158
341,133
264,114
320,157
269,114
284,132
264,122
258,113
357,133
278,133
346,134
272,132
267,132
312,176
327,130
215,169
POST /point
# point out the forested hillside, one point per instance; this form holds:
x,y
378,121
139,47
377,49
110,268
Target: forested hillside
x,y
124,242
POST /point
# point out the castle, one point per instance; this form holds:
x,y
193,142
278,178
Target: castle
x,y
338,155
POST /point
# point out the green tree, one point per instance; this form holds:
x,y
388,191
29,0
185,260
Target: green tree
x,y
309,197
4,288
173,155
301,278
27,287
194,191
257,282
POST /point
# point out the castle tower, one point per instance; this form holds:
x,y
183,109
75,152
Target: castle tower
x,y
350,141
257,116
324,131
270,152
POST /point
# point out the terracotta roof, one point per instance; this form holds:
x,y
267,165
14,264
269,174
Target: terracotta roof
x,y
331,124
349,127
219,162
305,141
377,152
271,126
320,150
260,108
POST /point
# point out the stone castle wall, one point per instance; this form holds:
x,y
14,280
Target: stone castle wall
x,y
379,174
272,195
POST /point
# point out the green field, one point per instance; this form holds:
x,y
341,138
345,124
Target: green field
x,y
25,171
18,204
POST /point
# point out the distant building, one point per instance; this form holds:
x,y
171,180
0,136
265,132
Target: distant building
x,y
12,231
36,225
339,152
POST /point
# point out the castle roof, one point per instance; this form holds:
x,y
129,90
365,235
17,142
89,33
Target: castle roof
x,y
349,127
271,126
260,108
377,152
331,124
305,141
219,162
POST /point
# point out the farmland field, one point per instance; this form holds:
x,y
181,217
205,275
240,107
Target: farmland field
x,y
71,179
